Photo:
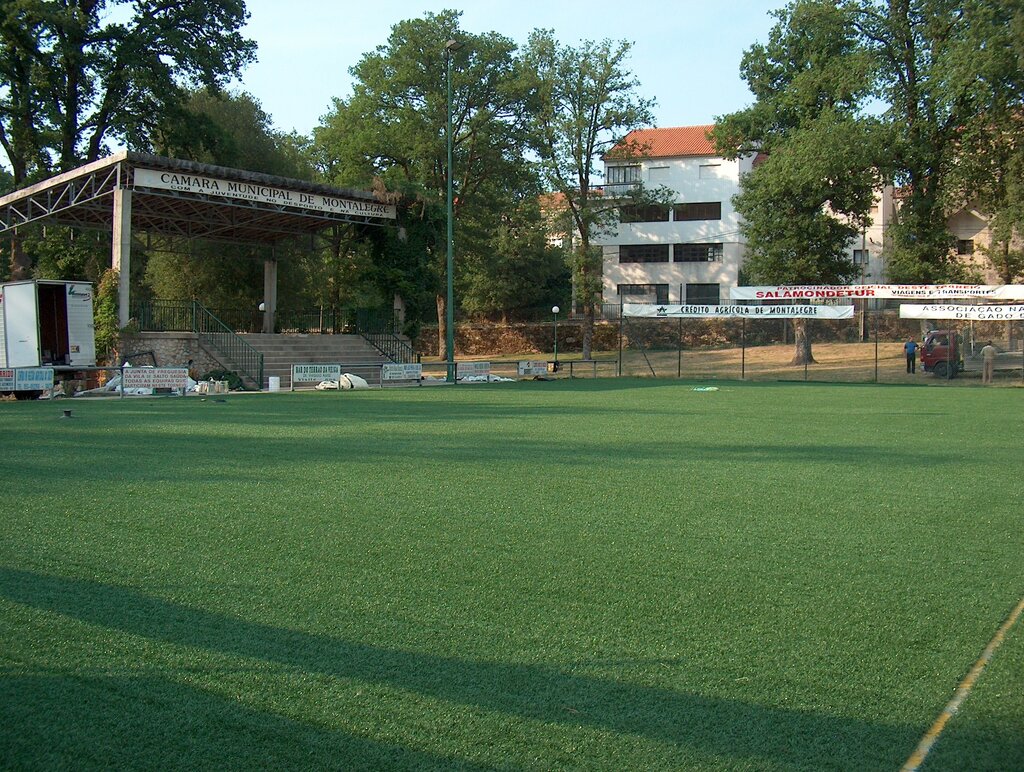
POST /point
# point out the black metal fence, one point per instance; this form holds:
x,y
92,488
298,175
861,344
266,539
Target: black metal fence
x,y
868,348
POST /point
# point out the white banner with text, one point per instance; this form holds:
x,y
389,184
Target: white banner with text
x,y
264,194
974,313
656,311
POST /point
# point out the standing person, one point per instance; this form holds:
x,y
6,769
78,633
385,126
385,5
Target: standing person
x,y
988,362
910,349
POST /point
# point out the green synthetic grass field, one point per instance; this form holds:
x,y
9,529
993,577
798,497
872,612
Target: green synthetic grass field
x,y
594,574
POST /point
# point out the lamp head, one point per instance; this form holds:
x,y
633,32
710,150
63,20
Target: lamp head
x,y
555,309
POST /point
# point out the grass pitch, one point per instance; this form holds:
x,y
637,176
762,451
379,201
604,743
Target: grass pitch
x,y
592,574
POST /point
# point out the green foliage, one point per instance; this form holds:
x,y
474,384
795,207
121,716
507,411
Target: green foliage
x,y
585,103
79,80
58,252
939,72
232,130
803,204
522,270
229,130
390,133
105,315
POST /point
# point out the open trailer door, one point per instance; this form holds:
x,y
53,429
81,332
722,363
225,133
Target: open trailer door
x,y
21,324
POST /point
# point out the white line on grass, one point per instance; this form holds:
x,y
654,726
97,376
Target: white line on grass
x,y
962,692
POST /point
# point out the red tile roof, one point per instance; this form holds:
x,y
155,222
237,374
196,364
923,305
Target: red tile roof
x,y
671,142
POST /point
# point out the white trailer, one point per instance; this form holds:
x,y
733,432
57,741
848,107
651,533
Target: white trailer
x,y
47,323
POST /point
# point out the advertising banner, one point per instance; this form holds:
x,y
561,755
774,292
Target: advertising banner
x,y
532,368
468,369
33,378
264,194
975,313
401,372
314,373
655,311
880,291
155,378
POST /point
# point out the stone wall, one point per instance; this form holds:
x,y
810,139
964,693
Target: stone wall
x,y
170,349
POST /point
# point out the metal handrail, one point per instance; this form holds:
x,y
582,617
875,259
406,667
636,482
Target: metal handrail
x,y
192,316
213,331
380,330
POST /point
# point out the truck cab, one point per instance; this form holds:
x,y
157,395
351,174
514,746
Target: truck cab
x,y
942,353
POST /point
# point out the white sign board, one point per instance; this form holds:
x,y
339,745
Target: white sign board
x,y
881,291
264,194
466,369
26,379
314,373
977,313
155,377
664,311
533,368
401,372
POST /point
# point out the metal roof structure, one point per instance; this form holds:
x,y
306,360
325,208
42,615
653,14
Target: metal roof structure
x,y
129,192
172,197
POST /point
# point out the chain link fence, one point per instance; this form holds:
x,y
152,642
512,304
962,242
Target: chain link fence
x,y
869,348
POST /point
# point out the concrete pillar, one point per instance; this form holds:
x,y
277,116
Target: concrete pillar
x,y
121,252
269,294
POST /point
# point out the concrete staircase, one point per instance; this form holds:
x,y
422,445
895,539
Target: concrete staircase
x,y
280,352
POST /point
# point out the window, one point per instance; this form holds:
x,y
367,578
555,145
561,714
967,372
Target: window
x,y
706,210
965,246
622,175
644,293
697,253
861,256
709,171
651,213
659,174
702,294
643,253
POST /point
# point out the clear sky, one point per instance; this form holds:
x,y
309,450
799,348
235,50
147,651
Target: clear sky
x,y
686,53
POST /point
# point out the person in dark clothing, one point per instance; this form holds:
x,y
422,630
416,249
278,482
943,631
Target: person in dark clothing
x,y
910,349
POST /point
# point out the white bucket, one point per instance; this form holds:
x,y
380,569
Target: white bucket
x,y
274,383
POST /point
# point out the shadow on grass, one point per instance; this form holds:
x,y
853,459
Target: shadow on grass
x,y
117,722
729,729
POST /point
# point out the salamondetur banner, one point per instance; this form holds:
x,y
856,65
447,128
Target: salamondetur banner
x,y
879,291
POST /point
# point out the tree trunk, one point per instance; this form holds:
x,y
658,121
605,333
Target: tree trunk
x,y
442,327
801,335
21,266
588,330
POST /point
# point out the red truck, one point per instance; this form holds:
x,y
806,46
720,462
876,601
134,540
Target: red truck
x,y
942,353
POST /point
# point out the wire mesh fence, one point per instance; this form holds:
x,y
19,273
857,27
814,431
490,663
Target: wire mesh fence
x,y
869,348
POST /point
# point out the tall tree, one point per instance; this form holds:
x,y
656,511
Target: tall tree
x,y
813,189
906,80
227,130
586,102
940,66
78,77
392,129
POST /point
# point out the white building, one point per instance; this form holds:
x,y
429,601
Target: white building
x,y
689,252
692,251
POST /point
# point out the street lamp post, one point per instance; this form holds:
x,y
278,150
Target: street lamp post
x,y
449,47
554,313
